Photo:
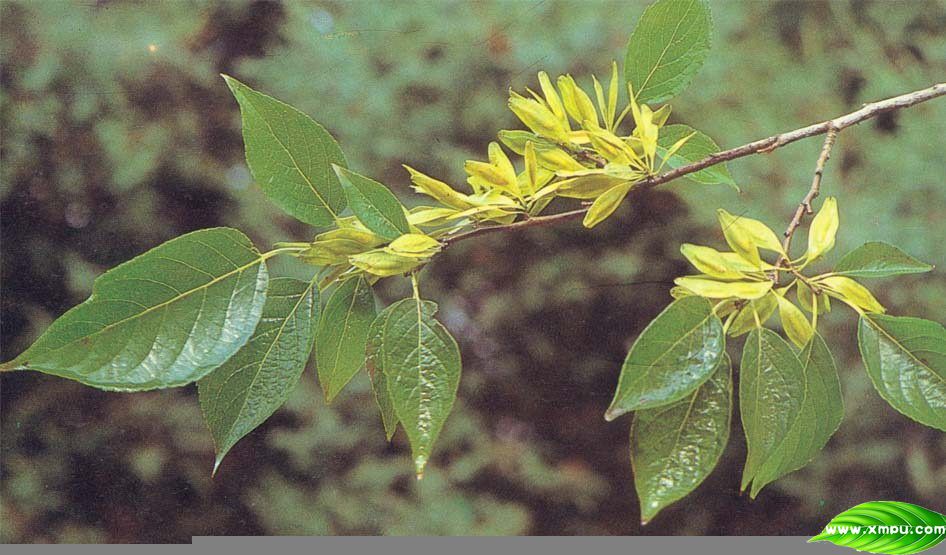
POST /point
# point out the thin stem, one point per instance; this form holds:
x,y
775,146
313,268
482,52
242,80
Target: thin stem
x,y
804,207
415,286
761,146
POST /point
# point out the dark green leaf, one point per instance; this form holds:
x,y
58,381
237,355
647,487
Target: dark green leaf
x,y
771,395
342,335
421,363
163,319
821,413
248,388
876,259
673,356
906,360
667,48
290,156
675,447
698,147
905,528
373,204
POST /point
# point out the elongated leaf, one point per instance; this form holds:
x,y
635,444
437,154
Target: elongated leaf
x,y
876,259
667,48
699,146
673,356
373,204
290,156
374,352
163,319
891,527
422,366
906,360
248,388
821,413
771,395
342,335
675,447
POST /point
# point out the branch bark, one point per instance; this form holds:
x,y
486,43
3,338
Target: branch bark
x,y
761,146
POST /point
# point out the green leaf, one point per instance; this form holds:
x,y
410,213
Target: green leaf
x,y
421,363
290,156
906,360
257,380
342,335
675,447
821,413
771,394
163,319
667,48
876,259
673,356
904,528
699,147
373,204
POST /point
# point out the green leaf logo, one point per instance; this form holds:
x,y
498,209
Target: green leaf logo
x,y
890,527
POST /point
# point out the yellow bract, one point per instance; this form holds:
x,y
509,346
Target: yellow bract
x,y
851,292
794,323
712,289
712,262
606,204
824,228
746,236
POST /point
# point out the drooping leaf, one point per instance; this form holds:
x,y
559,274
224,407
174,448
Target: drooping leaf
x,y
771,395
876,259
890,527
699,146
373,204
342,335
163,319
667,48
257,380
906,360
673,356
821,413
290,156
421,362
675,447
374,351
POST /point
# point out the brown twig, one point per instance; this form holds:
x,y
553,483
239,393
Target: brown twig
x,y
761,146
804,207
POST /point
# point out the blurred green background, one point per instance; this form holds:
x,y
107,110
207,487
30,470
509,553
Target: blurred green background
x,y
118,134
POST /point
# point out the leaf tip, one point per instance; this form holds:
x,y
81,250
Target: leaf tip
x,y
419,464
611,414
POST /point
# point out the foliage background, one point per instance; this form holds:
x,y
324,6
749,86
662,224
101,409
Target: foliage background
x,y
118,134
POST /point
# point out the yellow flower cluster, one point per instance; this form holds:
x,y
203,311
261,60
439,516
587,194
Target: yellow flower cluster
x,y
744,284
571,149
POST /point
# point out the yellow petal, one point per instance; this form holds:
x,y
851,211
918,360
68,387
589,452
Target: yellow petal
x,y
745,236
754,314
438,190
577,103
381,263
606,204
414,245
587,186
712,289
551,97
499,159
661,116
851,292
532,167
429,216
824,228
796,326
613,96
538,118
710,261
678,292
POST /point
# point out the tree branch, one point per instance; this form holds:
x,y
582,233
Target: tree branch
x,y
804,207
761,146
